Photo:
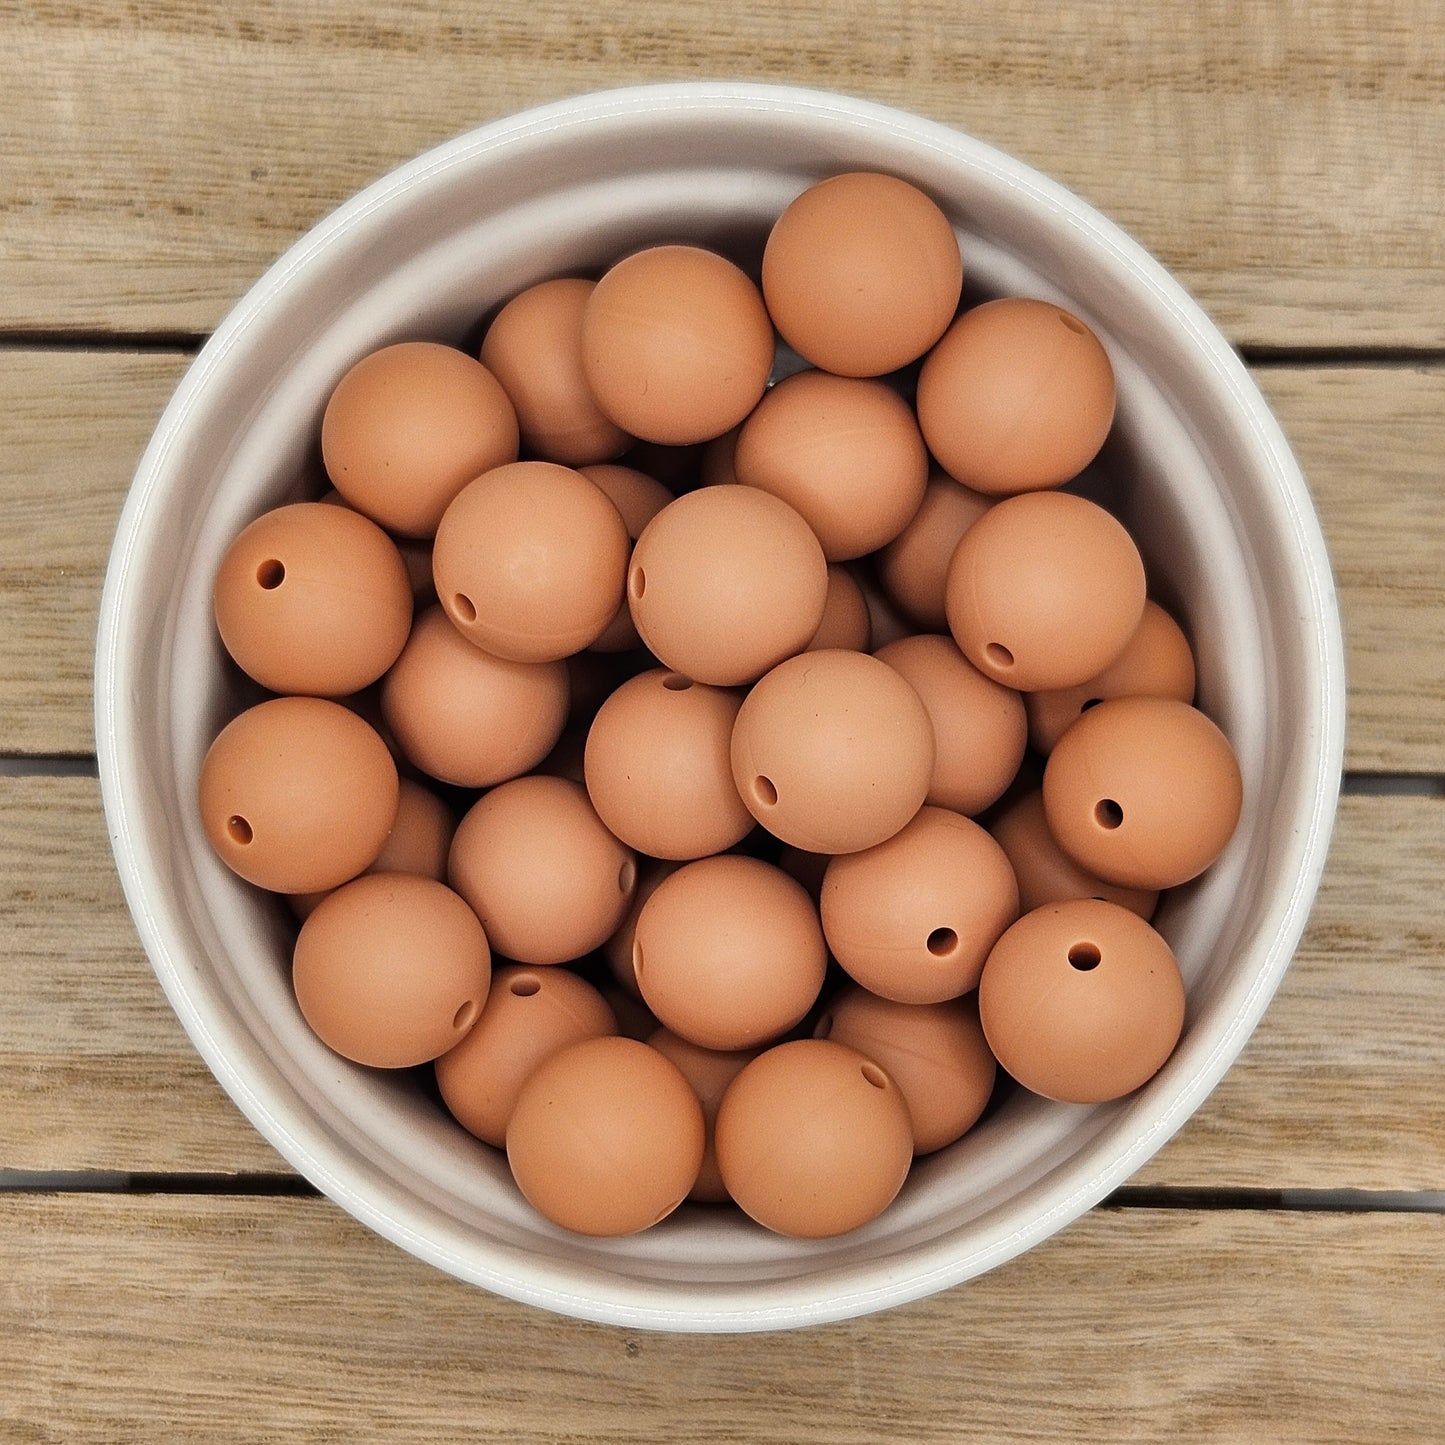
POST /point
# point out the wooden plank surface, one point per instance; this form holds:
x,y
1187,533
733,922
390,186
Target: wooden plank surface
x,y
62,481
183,1318
1339,1088
1371,440
1283,159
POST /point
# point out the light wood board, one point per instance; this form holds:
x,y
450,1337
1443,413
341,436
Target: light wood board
x,y
204,1319
1283,159
1339,1087
1370,438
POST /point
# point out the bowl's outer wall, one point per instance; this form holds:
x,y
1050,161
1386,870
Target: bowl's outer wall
x,y
1197,467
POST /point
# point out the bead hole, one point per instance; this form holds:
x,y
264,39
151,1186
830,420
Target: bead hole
x,y
466,1016
942,942
1108,814
1085,956
875,1076
676,682
637,583
627,876
271,573
1073,323
526,986
999,655
765,792
1092,702
239,829
464,607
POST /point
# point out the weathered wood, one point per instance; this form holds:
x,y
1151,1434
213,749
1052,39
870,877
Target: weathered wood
x,y
72,427
95,1070
211,1320
1338,1088
1371,440
1284,160
1372,444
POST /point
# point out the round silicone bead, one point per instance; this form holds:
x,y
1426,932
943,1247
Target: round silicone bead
x,y
833,752
657,766
709,1071
1044,591
530,1014
1045,873
979,726
813,1139
1081,1002
313,599
913,918
935,1052
547,879
391,970
1018,395
529,561
1156,662
725,583
1143,791
728,952
606,1137
862,273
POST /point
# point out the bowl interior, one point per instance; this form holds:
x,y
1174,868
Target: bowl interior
x,y
1195,467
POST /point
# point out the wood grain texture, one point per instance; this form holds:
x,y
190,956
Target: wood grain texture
x,y
217,1320
1283,159
1372,445
1338,1088
95,1070
72,428
1371,440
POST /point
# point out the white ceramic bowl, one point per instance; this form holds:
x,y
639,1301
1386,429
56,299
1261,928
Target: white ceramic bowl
x,y
1197,467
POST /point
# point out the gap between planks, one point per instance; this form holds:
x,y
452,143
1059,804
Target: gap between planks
x,y
259,1184
1352,785
187,343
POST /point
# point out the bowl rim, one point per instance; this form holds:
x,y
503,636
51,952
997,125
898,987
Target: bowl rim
x,y
878,1283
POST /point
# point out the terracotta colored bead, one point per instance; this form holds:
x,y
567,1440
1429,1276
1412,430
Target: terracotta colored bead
x,y
548,881
846,622
1156,662
1044,591
534,348
409,426
530,1014
709,1071
725,583
862,273
913,567
936,1053
813,1139
979,727
530,560
462,715
833,752
606,1137
1081,1002
313,599
845,453
391,970
728,952
297,794
1045,873
676,344
1143,791
1017,396
913,918
657,766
